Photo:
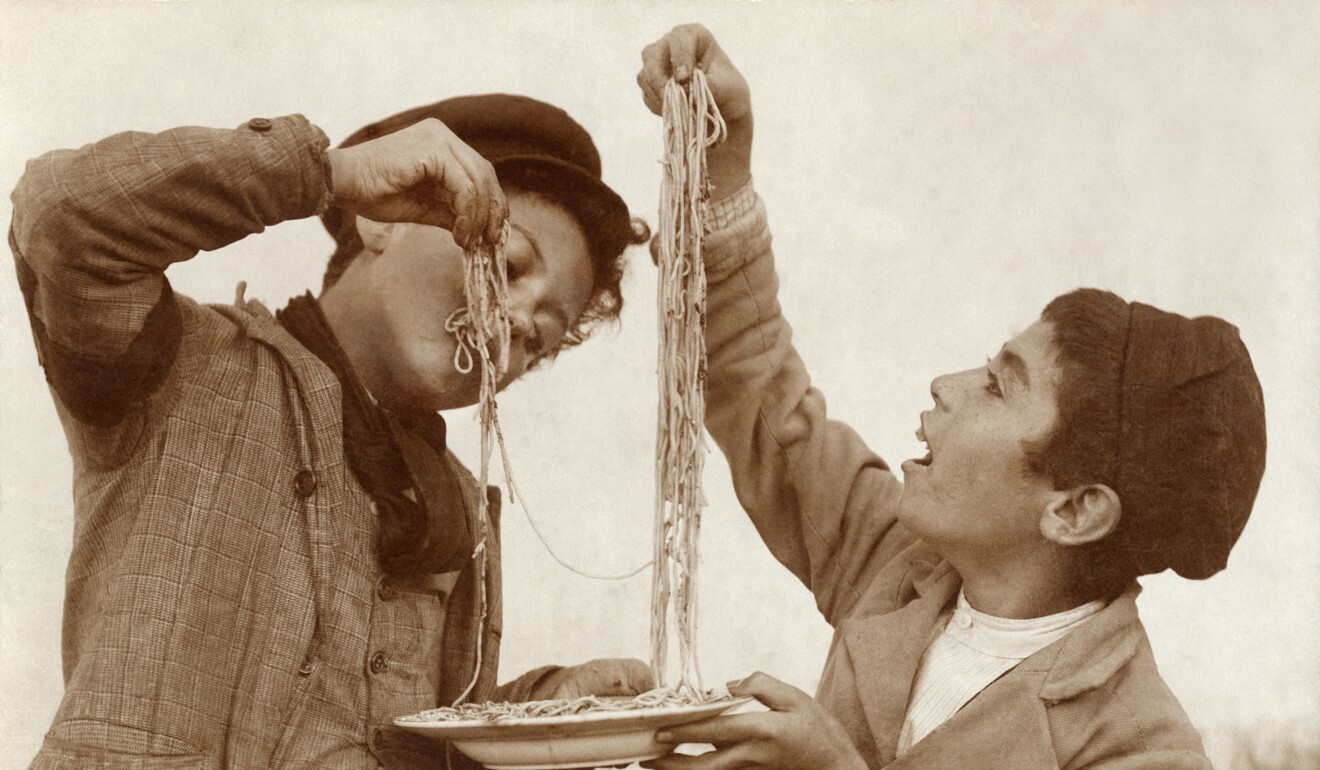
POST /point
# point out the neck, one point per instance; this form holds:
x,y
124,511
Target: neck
x,y
1027,586
353,333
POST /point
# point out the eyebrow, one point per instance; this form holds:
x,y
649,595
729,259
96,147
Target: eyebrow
x,y
1016,367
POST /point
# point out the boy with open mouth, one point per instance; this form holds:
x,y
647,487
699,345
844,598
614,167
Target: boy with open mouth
x,y
984,607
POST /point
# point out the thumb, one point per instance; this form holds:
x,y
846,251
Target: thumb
x,y
779,696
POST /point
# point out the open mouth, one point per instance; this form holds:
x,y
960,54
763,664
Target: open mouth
x,y
929,457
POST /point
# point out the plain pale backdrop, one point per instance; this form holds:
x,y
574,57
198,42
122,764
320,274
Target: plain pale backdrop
x,y
935,172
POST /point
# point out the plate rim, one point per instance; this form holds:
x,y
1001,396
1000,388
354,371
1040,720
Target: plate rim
x,y
514,724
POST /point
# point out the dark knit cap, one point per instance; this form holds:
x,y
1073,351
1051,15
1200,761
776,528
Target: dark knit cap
x,y
524,139
1192,441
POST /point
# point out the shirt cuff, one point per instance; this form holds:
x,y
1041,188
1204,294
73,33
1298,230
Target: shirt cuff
x,y
737,231
726,211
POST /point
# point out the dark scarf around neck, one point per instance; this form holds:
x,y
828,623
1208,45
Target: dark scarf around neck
x,y
400,461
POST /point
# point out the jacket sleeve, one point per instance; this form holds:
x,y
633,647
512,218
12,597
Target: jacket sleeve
x,y
822,501
95,228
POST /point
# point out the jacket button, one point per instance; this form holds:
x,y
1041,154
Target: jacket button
x,y
385,590
377,739
304,483
308,666
378,663
260,124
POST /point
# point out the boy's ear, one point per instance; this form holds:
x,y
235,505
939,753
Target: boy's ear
x,y
375,235
1081,515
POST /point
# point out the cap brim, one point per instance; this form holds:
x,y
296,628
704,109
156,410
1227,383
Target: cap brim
x,y
596,206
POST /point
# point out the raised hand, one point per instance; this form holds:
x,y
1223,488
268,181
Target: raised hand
x,y
423,174
676,55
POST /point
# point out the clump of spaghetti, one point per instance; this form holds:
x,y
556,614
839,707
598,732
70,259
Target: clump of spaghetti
x,y
492,711
692,124
484,332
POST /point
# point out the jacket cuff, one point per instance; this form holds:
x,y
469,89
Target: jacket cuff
x,y
297,139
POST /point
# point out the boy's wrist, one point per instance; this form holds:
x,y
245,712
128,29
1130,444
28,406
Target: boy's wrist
x,y
730,162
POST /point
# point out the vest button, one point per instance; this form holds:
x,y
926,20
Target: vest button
x,y
304,483
385,590
378,663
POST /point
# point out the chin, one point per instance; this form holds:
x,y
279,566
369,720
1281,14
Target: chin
x,y
909,514
428,382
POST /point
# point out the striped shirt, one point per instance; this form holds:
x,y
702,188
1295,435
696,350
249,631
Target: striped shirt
x,y
970,650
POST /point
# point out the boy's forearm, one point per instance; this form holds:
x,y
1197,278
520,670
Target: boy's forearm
x,y
818,496
729,164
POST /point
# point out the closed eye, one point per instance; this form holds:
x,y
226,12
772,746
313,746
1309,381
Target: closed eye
x,y
992,382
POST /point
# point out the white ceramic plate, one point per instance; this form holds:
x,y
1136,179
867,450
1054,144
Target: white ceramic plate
x,y
590,739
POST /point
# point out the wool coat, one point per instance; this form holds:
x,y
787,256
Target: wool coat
x,y
224,606
825,505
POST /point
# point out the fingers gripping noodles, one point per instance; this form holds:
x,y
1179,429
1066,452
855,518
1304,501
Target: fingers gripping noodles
x,y
692,124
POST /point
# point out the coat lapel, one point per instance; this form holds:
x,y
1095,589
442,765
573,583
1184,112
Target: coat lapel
x,y
1007,724
1004,726
886,648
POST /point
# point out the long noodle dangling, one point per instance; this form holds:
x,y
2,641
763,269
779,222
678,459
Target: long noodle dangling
x,y
692,123
484,334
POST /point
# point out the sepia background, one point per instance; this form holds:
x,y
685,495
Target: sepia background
x,y
935,172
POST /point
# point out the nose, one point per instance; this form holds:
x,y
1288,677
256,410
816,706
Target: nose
x,y
939,390
520,322
946,388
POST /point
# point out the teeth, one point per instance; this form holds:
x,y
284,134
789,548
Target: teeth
x,y
921,436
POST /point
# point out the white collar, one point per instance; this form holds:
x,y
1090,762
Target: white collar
x,y
1013,637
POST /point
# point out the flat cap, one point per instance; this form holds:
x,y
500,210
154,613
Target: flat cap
x,y
1192,441
518,134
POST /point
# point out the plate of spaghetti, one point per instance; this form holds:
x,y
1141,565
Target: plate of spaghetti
x,y
585,732
594,732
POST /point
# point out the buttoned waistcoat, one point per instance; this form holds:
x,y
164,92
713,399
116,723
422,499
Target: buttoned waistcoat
x,y
210,602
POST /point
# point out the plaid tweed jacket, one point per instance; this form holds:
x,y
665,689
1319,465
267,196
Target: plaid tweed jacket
x,y
825,505
224,607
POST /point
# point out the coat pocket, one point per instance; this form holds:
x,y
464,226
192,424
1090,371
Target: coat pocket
x,y
82,744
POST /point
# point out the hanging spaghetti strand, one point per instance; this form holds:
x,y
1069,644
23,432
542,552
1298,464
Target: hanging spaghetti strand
x,y
486,289
484,332
692,124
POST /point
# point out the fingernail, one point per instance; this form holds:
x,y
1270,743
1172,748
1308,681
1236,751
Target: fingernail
x,y
664,736
682,72
733,683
